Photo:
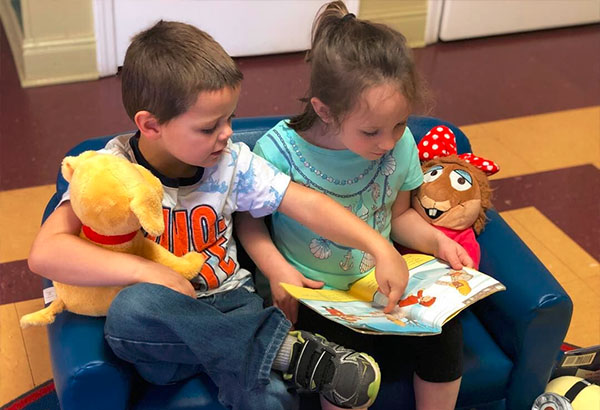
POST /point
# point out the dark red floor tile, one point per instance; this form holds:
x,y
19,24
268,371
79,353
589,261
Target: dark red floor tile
x,y
18,283
568,197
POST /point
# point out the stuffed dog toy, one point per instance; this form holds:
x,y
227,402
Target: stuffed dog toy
x,y
112,198
455,192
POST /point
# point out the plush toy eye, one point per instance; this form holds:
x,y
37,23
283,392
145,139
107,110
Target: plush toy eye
x,y
433,173
461,180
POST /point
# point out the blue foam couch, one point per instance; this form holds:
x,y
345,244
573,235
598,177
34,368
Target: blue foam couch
x,y
511,338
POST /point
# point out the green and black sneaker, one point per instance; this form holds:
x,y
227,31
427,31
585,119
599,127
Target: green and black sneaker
x,y
346,378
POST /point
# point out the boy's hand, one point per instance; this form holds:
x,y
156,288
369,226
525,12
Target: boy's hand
x,y
452,252
284,300
391,273
161,275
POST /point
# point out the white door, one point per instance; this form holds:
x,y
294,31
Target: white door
x,y
477,18
242,27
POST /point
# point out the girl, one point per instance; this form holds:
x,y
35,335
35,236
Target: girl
x,y
352,143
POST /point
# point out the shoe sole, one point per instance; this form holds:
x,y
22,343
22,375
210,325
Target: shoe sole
x,y
373,389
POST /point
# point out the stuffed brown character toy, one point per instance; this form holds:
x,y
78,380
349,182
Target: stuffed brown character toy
x,y
455,192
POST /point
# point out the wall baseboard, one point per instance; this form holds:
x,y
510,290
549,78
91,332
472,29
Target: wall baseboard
x,y
45,62
407,17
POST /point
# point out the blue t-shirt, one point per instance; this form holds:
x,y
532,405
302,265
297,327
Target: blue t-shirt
x,y
365,187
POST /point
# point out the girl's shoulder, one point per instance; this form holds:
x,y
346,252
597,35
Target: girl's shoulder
x,y
407,143
279,136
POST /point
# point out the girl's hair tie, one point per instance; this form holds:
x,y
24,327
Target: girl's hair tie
x,y
348,17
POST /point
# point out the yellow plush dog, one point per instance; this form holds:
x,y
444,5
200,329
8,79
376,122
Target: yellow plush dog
x,y
113,198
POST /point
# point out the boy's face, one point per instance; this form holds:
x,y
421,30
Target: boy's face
x,y
198,136
377,122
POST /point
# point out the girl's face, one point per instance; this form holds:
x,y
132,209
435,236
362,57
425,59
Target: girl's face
x,y
376,123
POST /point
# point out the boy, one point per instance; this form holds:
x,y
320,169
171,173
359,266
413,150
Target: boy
x,y
181,89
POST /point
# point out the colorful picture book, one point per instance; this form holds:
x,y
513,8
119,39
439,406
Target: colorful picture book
x,y
435,293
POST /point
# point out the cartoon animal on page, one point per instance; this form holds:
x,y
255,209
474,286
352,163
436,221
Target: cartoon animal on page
x,y
113,198
455,193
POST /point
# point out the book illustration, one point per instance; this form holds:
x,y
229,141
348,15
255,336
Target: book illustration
x,y
435,293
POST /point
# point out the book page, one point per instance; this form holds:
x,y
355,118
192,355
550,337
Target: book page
x,y
435,293
363,317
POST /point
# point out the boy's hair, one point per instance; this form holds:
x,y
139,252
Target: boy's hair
x,y
349,55
168,65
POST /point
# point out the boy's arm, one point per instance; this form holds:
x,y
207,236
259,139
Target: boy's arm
x,y
329,219
58,253
256,240
411,230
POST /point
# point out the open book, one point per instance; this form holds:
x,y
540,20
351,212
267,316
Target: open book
x,y
435,293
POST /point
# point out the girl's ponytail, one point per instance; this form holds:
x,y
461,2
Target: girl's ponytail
x,y
328,16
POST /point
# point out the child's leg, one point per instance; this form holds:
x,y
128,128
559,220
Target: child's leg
x,y
439,368
168,336
435,396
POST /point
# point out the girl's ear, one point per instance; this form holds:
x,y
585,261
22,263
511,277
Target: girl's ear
x,y
147,124
322,110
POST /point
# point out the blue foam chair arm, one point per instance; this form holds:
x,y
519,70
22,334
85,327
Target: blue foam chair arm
x,y
86,372
534,308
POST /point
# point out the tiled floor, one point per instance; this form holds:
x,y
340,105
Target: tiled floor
x,y
529,101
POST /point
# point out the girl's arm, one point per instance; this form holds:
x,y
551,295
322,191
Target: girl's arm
x,y
58,253
329,219
412,231
256,240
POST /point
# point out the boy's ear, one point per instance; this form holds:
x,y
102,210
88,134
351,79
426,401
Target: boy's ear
x,y
322,110
147,124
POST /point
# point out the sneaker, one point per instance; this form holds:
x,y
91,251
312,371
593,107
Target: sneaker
x,y
346,378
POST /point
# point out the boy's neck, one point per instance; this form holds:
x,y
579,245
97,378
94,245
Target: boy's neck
x,y
162,161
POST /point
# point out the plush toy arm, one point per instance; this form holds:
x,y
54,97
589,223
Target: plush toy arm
x,y
187,265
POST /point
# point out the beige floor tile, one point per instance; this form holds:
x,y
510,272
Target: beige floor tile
x,y
557,242
15,375
540,142
36,343
536,230
20,216
585,325
594,284
485,143
559,270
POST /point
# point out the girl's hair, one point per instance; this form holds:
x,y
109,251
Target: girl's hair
x,y
347,56
168,65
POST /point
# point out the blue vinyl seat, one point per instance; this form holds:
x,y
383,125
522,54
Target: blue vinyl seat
x,y
511,338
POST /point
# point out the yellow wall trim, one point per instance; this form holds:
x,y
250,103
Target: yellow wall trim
x,y
49,59
409,17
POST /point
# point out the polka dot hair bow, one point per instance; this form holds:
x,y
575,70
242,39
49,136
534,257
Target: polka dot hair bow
x,y
440,141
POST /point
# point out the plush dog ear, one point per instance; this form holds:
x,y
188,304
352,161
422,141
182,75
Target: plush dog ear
x,y
69,164
150,179
146,205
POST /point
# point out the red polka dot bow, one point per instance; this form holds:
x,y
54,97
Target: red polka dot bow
x,y
440,141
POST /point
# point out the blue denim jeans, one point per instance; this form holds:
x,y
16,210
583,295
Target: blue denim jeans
x,y
169,337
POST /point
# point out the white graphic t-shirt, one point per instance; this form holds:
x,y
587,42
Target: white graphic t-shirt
x,y
198,210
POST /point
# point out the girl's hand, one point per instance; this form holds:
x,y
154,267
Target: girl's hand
x,y
284,300
452,252
391,274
